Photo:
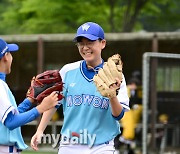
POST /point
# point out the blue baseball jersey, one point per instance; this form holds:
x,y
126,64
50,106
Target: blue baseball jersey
x,y
84,108
7,105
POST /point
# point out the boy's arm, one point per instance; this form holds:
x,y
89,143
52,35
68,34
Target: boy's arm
x,y
47,116
16,120
25,105
35,140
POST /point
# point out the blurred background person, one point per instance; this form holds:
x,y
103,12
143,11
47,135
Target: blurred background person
x,y
131,118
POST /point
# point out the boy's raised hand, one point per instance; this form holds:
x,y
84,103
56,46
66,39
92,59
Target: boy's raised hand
x,y
48,102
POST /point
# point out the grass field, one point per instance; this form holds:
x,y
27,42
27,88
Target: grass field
x,y
42,150
31,152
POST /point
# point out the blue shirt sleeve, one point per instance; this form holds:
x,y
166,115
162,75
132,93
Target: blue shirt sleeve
x,y
120,116
13,121
24,106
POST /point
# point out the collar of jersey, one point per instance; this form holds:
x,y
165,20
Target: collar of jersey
x,y
87,73
3,76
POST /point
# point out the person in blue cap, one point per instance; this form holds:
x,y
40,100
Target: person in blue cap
x,y
90,120
11,116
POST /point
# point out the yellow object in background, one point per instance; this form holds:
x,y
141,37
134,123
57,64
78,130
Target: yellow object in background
x,y
130,120
55,117
163,118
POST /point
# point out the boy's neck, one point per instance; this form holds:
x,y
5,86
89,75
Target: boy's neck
x,y
2,67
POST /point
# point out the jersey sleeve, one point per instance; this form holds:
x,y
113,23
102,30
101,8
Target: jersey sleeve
x,y
24,106
67,68
63,71
13,121
123,95
5,104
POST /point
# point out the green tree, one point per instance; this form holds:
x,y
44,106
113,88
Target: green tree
x,y
163,16
62,16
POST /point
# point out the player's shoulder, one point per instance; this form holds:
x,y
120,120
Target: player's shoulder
x,y
3,85
3,89
73,65
68,67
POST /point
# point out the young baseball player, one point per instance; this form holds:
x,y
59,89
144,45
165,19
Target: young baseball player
x,y
90,120
11,116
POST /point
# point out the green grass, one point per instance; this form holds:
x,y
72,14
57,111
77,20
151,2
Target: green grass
x,y
42,150
36,152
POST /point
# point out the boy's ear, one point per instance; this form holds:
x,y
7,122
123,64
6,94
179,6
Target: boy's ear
x,y
4,58
103,44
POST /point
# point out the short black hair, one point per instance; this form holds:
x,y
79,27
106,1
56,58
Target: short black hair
x,y
134,81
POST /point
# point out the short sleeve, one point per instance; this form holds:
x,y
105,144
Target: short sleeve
x,y
5,104
123,95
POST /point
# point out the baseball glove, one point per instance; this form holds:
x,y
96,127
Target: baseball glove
x,y
108,75
44,84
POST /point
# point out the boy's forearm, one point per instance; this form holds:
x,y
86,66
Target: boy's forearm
x,y
116,107
46,117
25,105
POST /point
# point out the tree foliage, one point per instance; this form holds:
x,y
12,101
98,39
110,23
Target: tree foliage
x,y
62,16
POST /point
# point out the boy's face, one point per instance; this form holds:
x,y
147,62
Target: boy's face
x,y
8,62
133,86
91,51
